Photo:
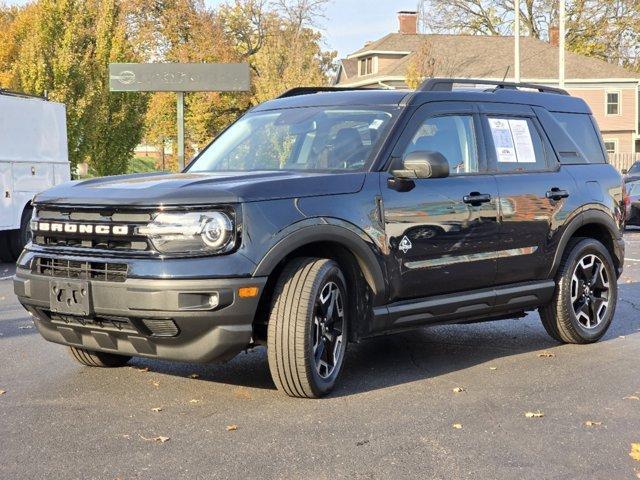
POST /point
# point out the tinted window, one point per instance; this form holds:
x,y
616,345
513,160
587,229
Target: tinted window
x,y
517,145
635,168
453,136
580,129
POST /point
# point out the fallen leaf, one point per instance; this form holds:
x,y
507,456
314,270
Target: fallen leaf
x,y
632,397
232,428
458,390
591,423
154,383
159,439
635,451
546,355
194,400
457,426
537,414
141,369
493,368
361,443
622,336
25,327
194,375
2,392
242,393
156,409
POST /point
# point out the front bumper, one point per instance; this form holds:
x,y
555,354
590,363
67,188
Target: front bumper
x,y
157,318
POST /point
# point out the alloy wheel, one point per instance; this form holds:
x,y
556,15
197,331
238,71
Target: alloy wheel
x,y
327,331
590,291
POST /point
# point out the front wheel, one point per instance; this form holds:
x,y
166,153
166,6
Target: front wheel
x,y
307,335
586,293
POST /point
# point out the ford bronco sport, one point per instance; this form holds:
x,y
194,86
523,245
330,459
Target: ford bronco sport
x,y
327,216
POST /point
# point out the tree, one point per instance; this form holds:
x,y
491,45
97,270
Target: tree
x,y
606,29
62,52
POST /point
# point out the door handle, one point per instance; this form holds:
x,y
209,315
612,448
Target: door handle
x,y
475,198
556,194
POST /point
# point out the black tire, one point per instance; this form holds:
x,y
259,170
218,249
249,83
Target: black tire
x,y
302,324
98,359
582,311
19,238
5,250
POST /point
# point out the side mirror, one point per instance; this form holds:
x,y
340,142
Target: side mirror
x,y
423,164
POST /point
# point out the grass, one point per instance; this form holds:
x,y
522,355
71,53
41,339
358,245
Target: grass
x,y
142,165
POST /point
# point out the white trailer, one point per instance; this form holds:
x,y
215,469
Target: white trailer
x,y
33,157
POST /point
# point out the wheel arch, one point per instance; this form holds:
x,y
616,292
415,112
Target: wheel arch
x,y
595,224
355,255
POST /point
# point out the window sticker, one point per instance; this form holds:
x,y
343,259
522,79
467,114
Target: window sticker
x,y
503,140
512,140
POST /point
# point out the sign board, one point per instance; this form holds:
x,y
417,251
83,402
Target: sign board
x,y
179,77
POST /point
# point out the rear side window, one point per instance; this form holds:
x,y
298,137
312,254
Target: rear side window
x,y
517,145
580,129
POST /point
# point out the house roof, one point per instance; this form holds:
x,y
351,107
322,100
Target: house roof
x,y
481,56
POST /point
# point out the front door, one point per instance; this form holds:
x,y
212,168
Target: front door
x,y
441,232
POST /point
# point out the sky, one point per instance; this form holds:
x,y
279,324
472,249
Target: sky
x,y
348,23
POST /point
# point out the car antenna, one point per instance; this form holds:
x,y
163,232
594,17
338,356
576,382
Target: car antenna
x,y
506,73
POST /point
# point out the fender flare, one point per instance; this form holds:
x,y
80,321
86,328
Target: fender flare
x,y
586,217
309,231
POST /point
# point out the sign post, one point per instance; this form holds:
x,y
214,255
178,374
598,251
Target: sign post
x,y
179,78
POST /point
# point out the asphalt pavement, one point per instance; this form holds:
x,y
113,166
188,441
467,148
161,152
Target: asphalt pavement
x,y
394,415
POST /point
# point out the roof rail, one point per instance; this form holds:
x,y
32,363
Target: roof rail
x,y
10,93
294,92
446,85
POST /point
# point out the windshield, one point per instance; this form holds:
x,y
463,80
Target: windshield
x,y
310,138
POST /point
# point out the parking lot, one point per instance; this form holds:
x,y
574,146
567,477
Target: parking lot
x,y
395,413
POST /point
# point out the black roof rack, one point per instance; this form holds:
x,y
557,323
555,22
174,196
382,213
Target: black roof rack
x,y
294,92
10,93
446,85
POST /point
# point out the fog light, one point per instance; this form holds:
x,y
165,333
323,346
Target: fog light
x,y
248,292
214,300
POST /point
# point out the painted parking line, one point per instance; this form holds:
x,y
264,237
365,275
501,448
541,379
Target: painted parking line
x,y
632,259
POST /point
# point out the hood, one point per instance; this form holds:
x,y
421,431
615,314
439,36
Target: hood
x,y
200,188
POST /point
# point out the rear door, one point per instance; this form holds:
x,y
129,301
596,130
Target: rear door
x,y
441,232
535,192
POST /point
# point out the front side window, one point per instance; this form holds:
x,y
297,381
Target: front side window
x,y
309,138
453,136
613,103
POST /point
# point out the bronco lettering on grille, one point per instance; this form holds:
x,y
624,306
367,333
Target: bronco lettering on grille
x,y
79,228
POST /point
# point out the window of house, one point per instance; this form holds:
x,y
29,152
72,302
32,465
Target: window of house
x,y
613,103
453,136
366,66
611,146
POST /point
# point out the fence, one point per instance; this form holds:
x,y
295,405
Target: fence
x,y
622,161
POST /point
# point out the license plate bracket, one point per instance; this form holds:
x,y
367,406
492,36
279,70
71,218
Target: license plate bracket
x,y
70,297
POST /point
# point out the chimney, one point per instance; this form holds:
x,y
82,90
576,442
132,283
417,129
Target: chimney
x,y
408,21
554,36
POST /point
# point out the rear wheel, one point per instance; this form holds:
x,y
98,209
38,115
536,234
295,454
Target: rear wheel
x,y
584,302
98,359
307,335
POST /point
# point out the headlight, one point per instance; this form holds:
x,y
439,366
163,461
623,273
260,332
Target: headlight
x,y
193,232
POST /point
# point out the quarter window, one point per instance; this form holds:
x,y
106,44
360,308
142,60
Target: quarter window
x,y
613,103
453,136
580,129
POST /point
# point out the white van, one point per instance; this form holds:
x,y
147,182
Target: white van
x,y
33,157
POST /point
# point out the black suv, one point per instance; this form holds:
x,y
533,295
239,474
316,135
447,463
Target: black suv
x,y
327,216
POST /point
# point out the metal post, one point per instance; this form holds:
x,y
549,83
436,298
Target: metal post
x,y
516,35
561,43
180,130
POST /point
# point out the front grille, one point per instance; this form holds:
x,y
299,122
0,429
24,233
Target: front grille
x,y
63,268
106,323
96,219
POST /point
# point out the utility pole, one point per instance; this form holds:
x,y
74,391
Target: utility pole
x,y
516,37
561,22
180,129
